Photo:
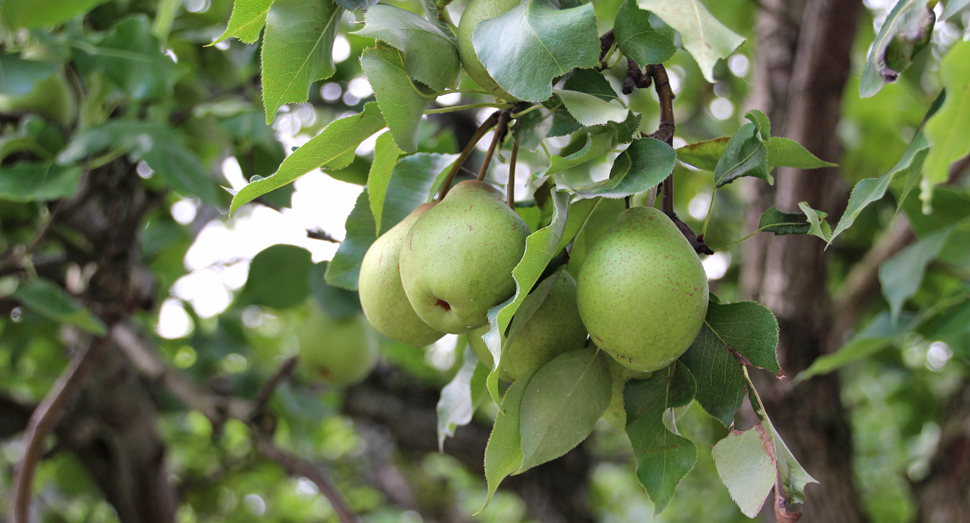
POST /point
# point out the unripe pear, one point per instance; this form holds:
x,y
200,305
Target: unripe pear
x,y
457,259
341,352
477,11
642,291
381,294
553,329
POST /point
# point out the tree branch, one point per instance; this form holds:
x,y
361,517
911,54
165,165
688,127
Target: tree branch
x,y
44,419
466,152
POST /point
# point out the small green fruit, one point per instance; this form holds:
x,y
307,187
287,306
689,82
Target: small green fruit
x,y
457,259
477,11
337,351
52,97
642,291
553,329
381,294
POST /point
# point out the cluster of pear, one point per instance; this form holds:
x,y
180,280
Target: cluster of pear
x,y
641,294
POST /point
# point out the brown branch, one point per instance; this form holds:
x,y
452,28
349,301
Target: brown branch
x,y
43,421
958,169
467,151
296,466
510,187
319,234
661,83
284,372
502,127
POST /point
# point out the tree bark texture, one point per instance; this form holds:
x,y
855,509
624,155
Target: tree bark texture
x,y
799,83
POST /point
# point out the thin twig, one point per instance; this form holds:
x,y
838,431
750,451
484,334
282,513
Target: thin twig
x,y
510,187
467,151
297,466
284,372
43,420
500,130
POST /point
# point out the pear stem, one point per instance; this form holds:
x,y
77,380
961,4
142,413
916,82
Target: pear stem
x,y
467,151
503,120
510,186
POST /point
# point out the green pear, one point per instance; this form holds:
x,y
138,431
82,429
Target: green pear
x,y
642,291
341,352
616,412
457,259
381,294
51,97
553,329
477,11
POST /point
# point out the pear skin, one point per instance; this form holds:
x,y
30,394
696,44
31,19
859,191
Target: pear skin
x,y
642,291
475,12
457,259
382,296
341,352
553,329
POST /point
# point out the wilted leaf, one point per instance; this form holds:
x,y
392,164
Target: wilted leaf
x,y
746,469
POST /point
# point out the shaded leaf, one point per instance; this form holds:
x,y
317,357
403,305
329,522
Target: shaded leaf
x,y
386,154
34,14
662,457
339,138
18,76
744,155
528,46
27,182
429,55
337,303
561,405
48,299
279,277
644,164
247,20
704,155
415,179
297,50
706,39
781,223
901,275
457,402
402,102
132,58
590,81
591,110
947,130
596,145
886,59
637,38
344,269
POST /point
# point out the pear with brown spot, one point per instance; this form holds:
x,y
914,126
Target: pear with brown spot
x,y
642,291
457,259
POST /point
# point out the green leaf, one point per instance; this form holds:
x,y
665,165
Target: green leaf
x,y
540,247
596,145
381,169
561,405
706,39
908,23
783,152
644,164
47,299
339,138
414,181
27,182
590,81
953,7
525,48
760,120
878,334
344,270
402,102
704,155
781,223
901,275
430,56
34,14
733,334
873,189
247,20
817,226
337,303
18,76
662,457
503,454
297,50
279,277
746,469
591,110
532,128
132,58
637,38
744,155
947,130
160,146
457,402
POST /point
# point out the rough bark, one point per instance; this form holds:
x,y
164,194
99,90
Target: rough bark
x,y
787,273
555,492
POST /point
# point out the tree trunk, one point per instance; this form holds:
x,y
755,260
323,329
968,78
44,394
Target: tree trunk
x,y
803,97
